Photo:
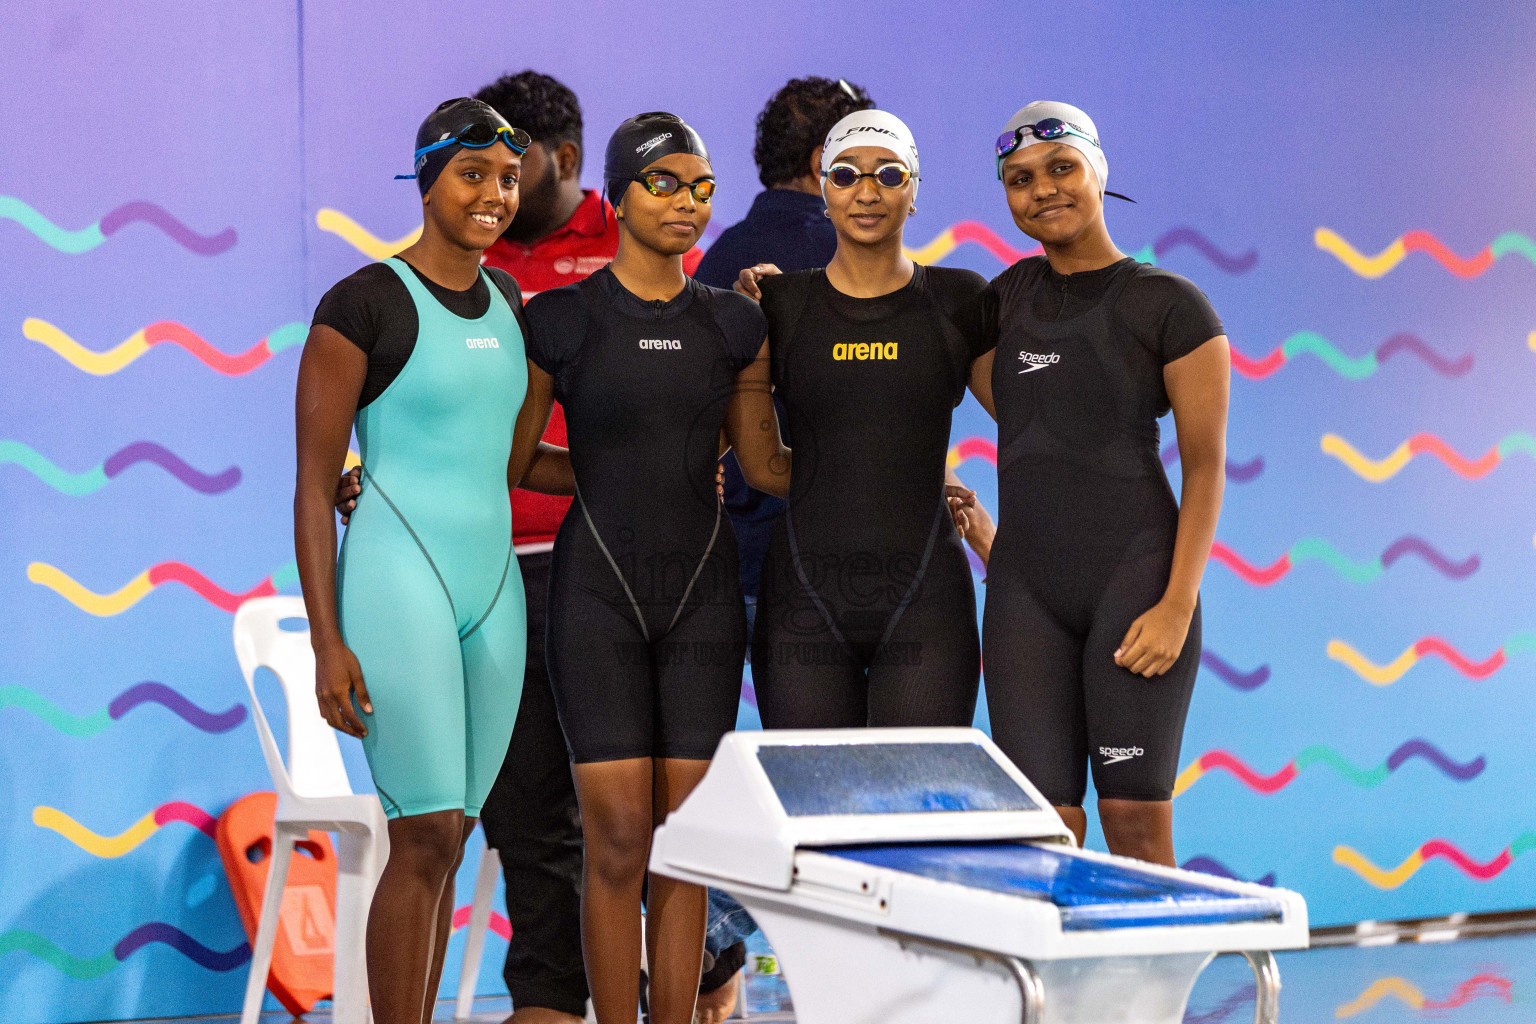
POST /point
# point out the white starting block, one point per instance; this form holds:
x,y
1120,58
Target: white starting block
x,y
915,875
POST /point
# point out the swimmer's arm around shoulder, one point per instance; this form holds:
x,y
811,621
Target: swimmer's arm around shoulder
x,y
533,464
752,427
331,374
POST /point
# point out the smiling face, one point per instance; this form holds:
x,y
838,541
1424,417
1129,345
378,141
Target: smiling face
x,y
1053,193
867,212
673,224
475,197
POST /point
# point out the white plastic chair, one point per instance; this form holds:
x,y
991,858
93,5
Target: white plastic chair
x,y
474,935
312,793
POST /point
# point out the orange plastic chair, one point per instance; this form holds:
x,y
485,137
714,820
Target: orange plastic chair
x,y
304,949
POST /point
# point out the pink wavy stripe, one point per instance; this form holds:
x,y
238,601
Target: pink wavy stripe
x,y
177,810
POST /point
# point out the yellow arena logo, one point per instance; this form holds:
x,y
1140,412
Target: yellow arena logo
x,y
864,350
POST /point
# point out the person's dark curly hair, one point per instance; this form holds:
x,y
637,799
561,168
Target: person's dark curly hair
x,y
796,121
542,106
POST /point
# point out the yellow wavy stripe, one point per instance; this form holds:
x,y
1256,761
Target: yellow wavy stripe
x,y
1380,989
1376,876
90,842
1372,470
1530,341
359,237
941,246
80,357
1188,777
1365,266
1380,675
97,604
353,459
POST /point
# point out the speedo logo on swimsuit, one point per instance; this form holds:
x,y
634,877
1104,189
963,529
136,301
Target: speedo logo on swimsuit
x,y
481,343
863,350
650,144
1033,362
1114,755
671,343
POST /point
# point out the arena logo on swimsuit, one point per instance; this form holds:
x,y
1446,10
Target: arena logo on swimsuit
x,y
669,343
862,350
481,343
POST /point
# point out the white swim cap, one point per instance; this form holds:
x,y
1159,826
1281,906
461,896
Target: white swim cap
x,y
871,128
1076,122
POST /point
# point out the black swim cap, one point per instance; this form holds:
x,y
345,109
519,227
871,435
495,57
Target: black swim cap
x,y
641,141
449,119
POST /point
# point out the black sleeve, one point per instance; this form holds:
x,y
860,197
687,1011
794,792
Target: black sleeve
x,y
1170,315
357,306
962,295
557,323
513,294
743,323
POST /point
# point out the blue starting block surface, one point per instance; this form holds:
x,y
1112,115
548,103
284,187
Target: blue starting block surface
x,y
1089,894
889,778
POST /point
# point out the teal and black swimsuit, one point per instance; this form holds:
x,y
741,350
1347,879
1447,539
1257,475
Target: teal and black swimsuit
x,y
431,600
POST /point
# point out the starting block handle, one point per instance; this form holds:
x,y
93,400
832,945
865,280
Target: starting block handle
x,y
1031,987
1266,975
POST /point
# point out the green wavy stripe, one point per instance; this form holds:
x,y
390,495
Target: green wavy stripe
x,y
72,484
286,575
1525,843
1146,255
1521,643
287,336
1523,443
69,725
71,242
1513,241
74,966
1345,366
1364,778
1320,549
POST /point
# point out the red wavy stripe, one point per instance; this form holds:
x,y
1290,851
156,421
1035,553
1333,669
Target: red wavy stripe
x,y
1473,988
1259,577
1459,661
176,810
1471,469
180,572
977,448
1247,776
499,924
975,231
1423,241
1481,872
231,366
1257,369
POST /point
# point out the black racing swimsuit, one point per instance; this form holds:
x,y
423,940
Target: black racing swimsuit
x,y
867,612
647,633
1086,523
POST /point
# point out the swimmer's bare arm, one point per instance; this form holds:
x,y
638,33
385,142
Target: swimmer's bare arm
x,y
752,428
1197,388
979,530
534,464
981,381
331,373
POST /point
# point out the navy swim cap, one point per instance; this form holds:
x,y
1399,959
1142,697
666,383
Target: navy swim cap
x,y
641,141
449,119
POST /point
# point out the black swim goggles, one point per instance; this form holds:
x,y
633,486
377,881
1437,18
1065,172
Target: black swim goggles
x,y
480,135
846,175
660,183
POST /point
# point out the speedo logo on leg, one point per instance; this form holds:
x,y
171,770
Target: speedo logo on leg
x,y
481,343
1033,362
1114,755
863,350
671,343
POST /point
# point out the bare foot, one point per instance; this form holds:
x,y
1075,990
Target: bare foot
x,y
541,1015
714,1007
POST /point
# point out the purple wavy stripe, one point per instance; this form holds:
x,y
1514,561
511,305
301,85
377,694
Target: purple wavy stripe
x,y
148,451
1413,344
1418,546
748,692
1223,1011
1237,472
1212,866
1222,261
149,213
1233,677
1431,753
159,693
186,945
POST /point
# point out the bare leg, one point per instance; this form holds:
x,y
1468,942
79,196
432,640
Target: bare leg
x,y
1076,820
1139,828
615,798
444,927
401,922
677,911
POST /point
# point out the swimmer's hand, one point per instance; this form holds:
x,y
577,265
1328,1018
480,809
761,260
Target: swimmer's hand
x,y
338,677
1154,641
347,489
960,499
746,281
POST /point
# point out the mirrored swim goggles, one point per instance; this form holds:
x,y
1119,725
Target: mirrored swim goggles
x,y
480,135
661,183
1046,130
892,175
